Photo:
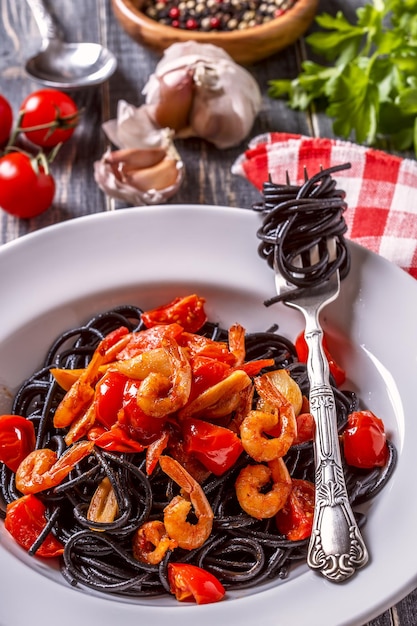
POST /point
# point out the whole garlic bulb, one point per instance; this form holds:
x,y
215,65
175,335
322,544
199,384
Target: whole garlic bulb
x,y
198,90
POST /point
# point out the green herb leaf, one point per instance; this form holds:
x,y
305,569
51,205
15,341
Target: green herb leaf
x,y
369,84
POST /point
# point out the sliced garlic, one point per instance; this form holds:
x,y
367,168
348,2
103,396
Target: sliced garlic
x,y
103,505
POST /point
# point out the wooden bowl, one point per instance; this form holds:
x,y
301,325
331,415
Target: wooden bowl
x,y
244,46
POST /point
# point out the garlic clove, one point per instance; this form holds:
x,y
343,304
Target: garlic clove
x,y
176,90
162,175
132,159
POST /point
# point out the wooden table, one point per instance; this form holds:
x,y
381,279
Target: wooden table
x,y
208,177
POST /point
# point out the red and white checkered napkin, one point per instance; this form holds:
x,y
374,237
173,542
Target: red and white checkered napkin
x,y
381,189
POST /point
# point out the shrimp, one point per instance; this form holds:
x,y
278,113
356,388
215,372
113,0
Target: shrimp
x,y
220,399
160,394
276,387
81,393
237,343
258,422
251,481
41,469
186,534
141,365
151,542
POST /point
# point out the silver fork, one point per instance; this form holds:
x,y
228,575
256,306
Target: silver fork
x,y
336,546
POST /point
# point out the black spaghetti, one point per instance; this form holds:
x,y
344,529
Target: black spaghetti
x,y
241,551
298,219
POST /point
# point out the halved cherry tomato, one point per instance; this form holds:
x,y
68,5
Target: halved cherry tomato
x,y
216,447
190,583
48,117
206,373
138,425
187,311
17,439
115,439
364,440
109,397
26,187
305,428
336,371
25,520
6,120
295,519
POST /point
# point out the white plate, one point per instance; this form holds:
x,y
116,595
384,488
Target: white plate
x,y
57,277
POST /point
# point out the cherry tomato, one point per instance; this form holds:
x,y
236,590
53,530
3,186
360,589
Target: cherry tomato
x,y
364,440
139,426
26,187
6,120
109,397
190,583
295,519
216,447
48,117
305,428
336,371
188,312
115,439
17,439
25,520
206,373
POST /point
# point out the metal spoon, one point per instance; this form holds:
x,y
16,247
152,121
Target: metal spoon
x,y
66,65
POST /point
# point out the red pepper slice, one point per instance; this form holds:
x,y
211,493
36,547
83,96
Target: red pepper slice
x,y
364,440
336,371
216,447
190,583
187,311
25,520
295,519
17,439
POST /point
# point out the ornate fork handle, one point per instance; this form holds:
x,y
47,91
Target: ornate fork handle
x,y
336,545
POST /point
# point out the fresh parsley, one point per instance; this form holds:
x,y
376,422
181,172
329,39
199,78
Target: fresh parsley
x,y
368,85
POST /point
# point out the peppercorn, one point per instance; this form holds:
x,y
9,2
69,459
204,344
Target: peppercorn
x,y
215,15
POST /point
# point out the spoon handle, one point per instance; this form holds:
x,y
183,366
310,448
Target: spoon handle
x,y
336,545
47,27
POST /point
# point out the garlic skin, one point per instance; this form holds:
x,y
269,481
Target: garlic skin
x,y
146,168
225,97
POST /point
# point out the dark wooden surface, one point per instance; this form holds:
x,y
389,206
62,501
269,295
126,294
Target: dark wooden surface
x,y
208,177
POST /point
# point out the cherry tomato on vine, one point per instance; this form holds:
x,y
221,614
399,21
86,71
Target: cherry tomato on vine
x,y
48,117
26,187
364,440
17,439
6,120
295,519
25,520
187,311
190,583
